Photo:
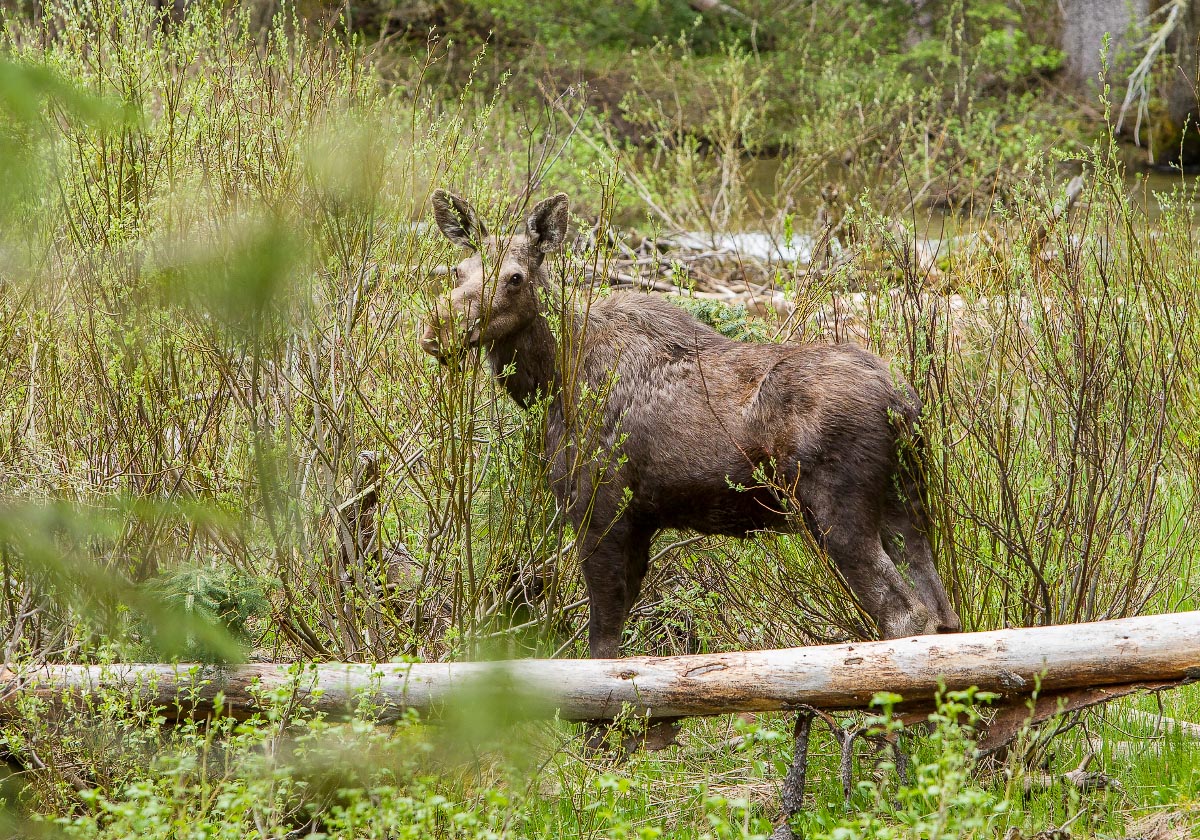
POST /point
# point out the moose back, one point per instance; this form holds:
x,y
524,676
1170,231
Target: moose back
x,y
695,430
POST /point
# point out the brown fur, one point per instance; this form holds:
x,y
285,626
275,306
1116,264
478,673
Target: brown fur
x,y
698,421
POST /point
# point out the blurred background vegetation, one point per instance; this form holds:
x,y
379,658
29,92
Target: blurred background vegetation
x,y
219,439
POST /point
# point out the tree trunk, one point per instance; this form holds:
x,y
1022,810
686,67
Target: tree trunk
x,y
1182,107
1165,88
1164,648
1086,23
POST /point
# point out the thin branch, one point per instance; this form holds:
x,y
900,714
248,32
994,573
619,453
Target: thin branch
x,y
1139,79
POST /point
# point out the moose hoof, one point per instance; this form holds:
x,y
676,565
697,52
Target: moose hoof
x,y
950,625
661,734
603,737
595,736
916,622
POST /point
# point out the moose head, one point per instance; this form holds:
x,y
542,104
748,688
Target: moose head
x,y
494,294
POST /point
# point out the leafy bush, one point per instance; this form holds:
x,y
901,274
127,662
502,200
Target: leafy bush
x,y
730,321
569,23
213,595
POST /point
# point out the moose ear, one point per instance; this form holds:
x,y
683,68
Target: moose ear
x,y
458,220
547,223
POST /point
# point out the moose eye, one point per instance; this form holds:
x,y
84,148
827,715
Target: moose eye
x,y
515,279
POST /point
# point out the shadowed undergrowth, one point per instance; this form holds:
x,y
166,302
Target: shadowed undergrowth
x,y
215,260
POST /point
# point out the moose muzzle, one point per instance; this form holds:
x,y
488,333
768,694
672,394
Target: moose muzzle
x,y
449,332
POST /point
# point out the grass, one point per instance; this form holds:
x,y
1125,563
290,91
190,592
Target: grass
x,y
212,290
531,781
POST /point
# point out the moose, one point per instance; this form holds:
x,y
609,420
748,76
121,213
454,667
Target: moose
x,y
688,429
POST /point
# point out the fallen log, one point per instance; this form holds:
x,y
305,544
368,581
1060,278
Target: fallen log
x,y
1021,712
1160,725
708,7
1161,649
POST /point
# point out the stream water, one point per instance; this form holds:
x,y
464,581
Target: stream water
x,y
1150,190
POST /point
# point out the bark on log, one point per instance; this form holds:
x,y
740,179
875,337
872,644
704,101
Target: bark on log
x,y
1014,717
1159,649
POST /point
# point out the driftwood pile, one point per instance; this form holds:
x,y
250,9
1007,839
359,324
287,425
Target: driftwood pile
x,y
747,269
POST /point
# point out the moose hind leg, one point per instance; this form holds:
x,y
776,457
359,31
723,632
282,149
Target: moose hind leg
x,y
911,553
887,597
858,553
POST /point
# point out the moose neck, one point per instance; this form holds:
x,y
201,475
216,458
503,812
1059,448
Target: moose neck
x,y
526,363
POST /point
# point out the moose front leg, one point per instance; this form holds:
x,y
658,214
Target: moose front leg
x,y
603,562
797,775
614,564
604,574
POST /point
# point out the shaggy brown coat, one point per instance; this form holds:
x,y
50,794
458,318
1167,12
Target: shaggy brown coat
x,y
695,430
